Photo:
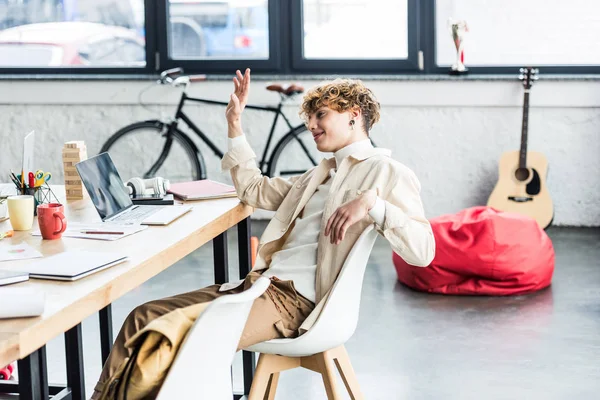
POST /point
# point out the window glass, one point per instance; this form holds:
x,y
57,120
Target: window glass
x,y
71,33
517,32
200,29
355,29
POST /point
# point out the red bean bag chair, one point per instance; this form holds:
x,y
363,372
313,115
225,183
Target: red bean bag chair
x,y
483,251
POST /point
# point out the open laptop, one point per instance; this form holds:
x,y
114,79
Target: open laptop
x,y
109,195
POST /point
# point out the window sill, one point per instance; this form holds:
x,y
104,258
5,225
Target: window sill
x,y
306,77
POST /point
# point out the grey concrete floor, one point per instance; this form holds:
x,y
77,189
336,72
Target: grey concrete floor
x,y
412,345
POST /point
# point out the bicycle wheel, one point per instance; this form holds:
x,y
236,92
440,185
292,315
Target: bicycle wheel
x,y
294,154
148,149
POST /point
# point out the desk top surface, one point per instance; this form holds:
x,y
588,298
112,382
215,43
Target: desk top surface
x,y
150,252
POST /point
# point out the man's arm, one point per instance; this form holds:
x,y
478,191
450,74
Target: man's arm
x,y
399,217
405,225
251,186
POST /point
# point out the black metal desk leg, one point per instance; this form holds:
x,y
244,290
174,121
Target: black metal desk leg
x,y
248,357
44,389
74,354
29,377
221,260
106,332
243,228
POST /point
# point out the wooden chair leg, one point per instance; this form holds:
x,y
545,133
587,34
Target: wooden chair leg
x,y
327,369
272,389
269,364
344,366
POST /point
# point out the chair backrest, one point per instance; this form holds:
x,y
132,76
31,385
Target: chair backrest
x,y
202,368
338,318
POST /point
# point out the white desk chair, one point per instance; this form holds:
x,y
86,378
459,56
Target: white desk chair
x,y
323,344
202,368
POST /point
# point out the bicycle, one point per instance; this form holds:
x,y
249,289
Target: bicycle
x,y
130,153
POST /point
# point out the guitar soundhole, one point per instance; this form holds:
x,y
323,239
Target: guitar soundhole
x,y
522,174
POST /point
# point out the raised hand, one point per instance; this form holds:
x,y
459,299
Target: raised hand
x,y
239,97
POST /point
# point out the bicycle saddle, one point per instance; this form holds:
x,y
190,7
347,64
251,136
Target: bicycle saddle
x,y
288,90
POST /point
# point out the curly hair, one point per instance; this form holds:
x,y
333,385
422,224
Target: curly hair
x,y
342,95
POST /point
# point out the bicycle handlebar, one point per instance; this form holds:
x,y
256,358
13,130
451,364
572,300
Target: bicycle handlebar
x,y
165,76
174,77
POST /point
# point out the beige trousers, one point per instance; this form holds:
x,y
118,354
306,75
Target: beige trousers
x,y
278,313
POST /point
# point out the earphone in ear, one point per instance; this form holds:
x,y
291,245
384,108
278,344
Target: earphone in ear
x,y
139,186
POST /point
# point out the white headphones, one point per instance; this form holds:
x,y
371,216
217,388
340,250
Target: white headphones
x,y
139,186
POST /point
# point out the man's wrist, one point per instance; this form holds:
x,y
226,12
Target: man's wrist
x,y
234,129
370,197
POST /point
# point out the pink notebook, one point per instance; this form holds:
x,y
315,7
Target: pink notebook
x,y
199,190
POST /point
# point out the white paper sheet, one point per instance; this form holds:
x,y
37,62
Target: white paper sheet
x,y
21,251
21,302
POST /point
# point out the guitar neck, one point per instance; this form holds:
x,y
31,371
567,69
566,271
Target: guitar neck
x,y
523,151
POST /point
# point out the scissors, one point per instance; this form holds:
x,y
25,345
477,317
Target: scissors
x,y
42,177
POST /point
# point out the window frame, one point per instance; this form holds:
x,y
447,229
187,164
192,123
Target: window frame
x,y
272,64
150,67
286,47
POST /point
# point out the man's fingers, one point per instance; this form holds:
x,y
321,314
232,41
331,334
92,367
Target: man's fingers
x,y
235,100
344,228
247,80
332,222
236,84
328,226
335,228
338,229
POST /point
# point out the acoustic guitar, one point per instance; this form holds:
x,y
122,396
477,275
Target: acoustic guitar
x,y
521,186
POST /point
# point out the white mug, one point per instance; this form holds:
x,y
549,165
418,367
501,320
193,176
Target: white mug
x,y
20,211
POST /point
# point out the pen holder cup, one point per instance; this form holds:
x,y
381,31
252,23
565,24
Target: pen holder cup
x,y
41,195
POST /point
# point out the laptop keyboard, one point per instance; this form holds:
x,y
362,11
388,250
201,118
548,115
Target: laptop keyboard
x,y
137,215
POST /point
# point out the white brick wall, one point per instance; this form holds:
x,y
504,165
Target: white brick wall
x,y
450,133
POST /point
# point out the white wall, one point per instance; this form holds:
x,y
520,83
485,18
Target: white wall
x,y
450,132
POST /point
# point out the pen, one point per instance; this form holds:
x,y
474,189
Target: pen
x,y
102,233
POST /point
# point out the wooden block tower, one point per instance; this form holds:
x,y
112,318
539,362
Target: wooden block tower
x,y
72,153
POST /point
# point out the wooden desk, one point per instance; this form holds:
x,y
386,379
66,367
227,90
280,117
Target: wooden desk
x,y
68,303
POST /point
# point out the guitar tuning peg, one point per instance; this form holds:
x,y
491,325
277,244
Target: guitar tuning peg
x,y
521,70
521,77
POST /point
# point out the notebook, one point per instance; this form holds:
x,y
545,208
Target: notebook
x,y
72,265
8,277
200,190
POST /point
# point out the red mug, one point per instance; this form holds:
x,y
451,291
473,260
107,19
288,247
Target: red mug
x,y
51,219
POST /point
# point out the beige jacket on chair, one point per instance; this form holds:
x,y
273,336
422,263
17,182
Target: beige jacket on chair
x,y
405,226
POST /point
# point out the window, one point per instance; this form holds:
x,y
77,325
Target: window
x,y
518,33
357,29
296,36
72,34
207,35
355,35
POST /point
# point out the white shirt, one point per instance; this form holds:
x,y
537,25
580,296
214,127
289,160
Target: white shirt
x,y
297,259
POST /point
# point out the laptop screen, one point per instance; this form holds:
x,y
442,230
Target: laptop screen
x,y
104,185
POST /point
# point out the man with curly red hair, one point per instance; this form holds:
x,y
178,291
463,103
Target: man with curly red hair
x,y
319,216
